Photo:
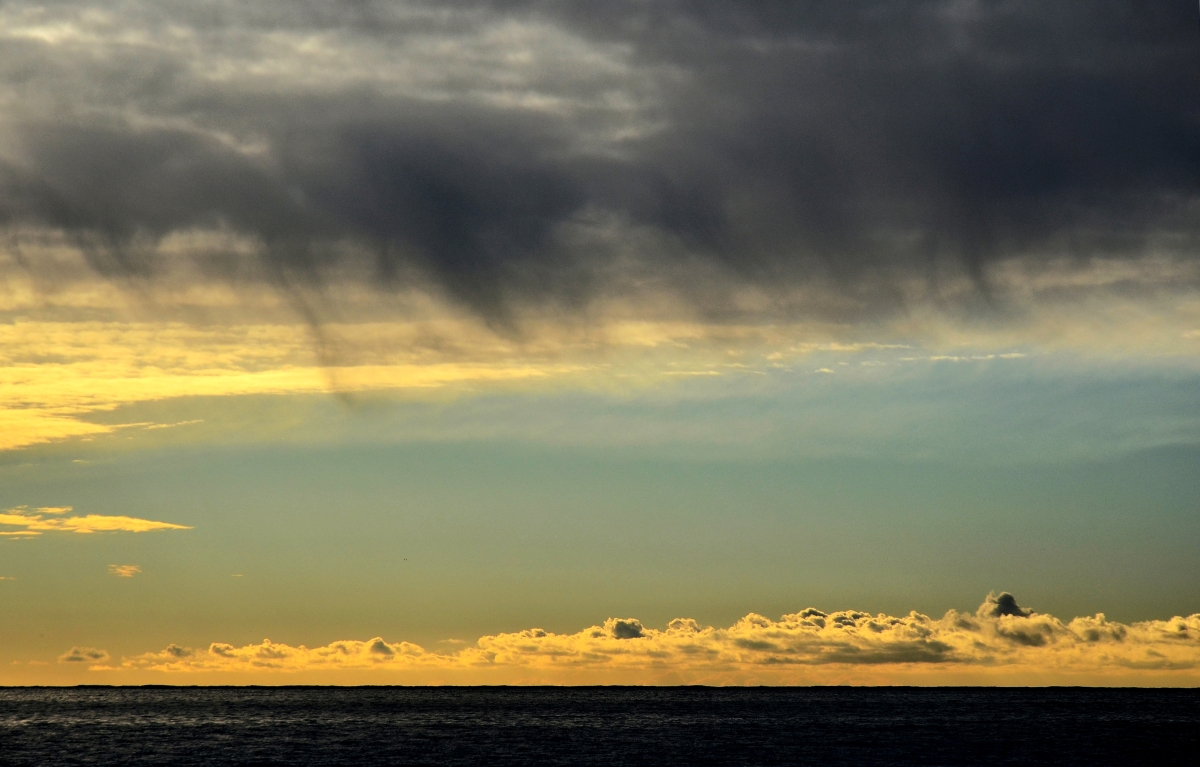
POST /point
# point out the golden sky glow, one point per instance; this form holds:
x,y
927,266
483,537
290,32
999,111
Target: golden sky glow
x,y
58,375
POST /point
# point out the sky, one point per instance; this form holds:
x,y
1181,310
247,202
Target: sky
x,y
650,342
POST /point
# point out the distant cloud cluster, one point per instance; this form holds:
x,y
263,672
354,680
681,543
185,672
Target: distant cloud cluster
x,y
83,655
124,571
54,520
999,635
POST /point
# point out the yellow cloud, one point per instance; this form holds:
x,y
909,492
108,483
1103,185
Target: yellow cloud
x,y
801,646
87,346
36,523
22,428
98,367
124,571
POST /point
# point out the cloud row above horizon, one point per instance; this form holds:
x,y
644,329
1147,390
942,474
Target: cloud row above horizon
x,y
1000,640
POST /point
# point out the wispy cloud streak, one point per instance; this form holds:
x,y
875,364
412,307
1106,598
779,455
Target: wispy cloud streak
x,y
37,522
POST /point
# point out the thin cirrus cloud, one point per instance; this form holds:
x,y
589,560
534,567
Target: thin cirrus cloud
x,y
1000,636
54,520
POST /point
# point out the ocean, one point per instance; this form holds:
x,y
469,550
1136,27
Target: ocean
x,y
597,726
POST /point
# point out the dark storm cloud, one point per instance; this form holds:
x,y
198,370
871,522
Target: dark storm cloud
x,y
379,647
625,628
855,142
175,651
997,605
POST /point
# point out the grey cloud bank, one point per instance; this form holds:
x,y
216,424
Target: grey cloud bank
x,y
513,154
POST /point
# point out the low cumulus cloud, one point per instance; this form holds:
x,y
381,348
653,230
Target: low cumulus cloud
x,y
52,520
83,655
999,635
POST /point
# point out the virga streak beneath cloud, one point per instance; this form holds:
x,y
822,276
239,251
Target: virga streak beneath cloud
x,y
548,154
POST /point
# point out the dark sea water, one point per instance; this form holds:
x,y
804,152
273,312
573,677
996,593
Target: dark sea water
x,y
597,725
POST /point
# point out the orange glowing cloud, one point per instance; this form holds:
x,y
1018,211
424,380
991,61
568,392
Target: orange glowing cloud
x,y
37,522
